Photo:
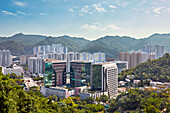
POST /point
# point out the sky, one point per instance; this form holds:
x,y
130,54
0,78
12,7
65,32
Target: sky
x,y
90,19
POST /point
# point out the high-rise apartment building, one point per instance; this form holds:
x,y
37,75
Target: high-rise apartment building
x,y
54,48
147,48
152,56
134,58
156,49
5,58
24,59
36,65
159,51
105,78
98,57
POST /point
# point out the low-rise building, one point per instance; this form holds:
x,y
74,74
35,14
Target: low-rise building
x,y
85,95
122,89
136,81
60,92
16,69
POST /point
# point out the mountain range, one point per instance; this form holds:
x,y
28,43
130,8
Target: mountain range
x,y
21,43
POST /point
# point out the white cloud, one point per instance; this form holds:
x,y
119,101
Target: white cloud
x,y
42,14
97,26
9,13
158,10
21,4
111,27
168,10
98,7
112,6
85,9
123,4
81,14
147,12
89,27
143,2
22,13
71,10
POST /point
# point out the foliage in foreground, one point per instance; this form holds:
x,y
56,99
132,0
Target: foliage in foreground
x,y
138,100
14,99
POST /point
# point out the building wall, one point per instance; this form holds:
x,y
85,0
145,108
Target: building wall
x,y
5,58
17,71
60,93
80,73
96,82
59,75
36,65
134,58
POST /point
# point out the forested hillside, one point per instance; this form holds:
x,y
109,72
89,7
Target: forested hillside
x,y
157,70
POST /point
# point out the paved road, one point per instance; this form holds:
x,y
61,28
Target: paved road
x,y
31,83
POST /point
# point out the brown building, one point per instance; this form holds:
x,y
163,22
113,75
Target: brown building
x,y
134,58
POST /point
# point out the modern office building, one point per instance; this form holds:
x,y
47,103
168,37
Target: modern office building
x,y
35,65
5,58
55,73
105,78
80,73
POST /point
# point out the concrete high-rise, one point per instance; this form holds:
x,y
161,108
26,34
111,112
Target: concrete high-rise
x,y
36,65
105,78
98,57
159,51
156,49
134,58
5,58
147,48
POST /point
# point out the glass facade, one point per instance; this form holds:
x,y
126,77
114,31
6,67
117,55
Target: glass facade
x,y
80,74
55,74
97,77
48,74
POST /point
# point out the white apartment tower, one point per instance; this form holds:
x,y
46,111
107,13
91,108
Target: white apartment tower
x,y
5,58
35,65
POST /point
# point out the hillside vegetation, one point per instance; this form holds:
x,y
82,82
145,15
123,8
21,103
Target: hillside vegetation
x,y
156,70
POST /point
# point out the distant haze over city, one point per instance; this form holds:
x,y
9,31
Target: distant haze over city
x,y
90,19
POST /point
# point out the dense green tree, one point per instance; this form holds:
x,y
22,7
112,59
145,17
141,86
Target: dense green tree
x,y
103,98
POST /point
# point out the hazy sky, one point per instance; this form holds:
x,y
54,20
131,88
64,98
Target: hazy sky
x,y
85,18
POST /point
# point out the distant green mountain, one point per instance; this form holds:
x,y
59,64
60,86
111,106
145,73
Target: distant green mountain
x,y
26,39
73,43
111,45
16,48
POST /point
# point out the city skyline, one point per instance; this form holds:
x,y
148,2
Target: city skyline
x,y
88,19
